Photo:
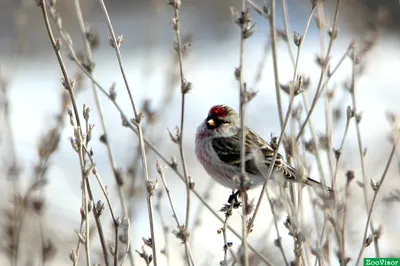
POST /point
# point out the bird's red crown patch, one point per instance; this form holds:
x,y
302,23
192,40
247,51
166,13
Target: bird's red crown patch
x,y
219,110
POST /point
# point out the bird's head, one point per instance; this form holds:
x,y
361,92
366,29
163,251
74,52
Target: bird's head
x,y
221,121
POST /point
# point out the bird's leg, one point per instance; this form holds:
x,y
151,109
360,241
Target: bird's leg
x,y
233,199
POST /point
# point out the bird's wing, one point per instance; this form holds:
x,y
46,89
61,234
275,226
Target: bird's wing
x,y
268,153
228,151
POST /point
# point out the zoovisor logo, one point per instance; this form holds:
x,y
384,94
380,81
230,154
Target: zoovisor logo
x,y
382,261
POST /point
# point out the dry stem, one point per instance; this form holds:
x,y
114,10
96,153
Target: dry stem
x,y
185,88
243,23
107,141
378,185
69,88
116,44
324,68
360,145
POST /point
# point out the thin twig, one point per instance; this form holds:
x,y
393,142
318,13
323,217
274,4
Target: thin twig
x,y
268,175
69,87
164,181
377,187
227,209
116,44
278,240
166,250
301,42
333,173
321,25
338,152
185,88
304,96
340,238
342,243
271,169
328,132
182,232
116,220
287,30
360,144
295,66
96,211
107,141
13,171
324,67
272,23
96,215
244,21
74,254
225,240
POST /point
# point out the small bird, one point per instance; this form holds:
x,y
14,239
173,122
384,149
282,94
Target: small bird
x,y
218,150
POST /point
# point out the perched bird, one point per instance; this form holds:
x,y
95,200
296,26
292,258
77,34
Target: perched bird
x,y
218,150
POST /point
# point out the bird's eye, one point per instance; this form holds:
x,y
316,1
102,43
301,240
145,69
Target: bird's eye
x,y
224,121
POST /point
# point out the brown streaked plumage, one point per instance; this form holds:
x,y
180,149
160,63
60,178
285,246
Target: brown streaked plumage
x,y
218,150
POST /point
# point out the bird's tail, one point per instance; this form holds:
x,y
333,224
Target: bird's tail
x,y
314,183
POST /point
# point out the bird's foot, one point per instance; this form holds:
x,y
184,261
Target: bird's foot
x,y
233,199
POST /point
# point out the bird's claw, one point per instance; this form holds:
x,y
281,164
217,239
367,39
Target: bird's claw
x,y
233,199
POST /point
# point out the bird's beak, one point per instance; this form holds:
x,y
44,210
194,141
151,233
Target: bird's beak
x,y
211,123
